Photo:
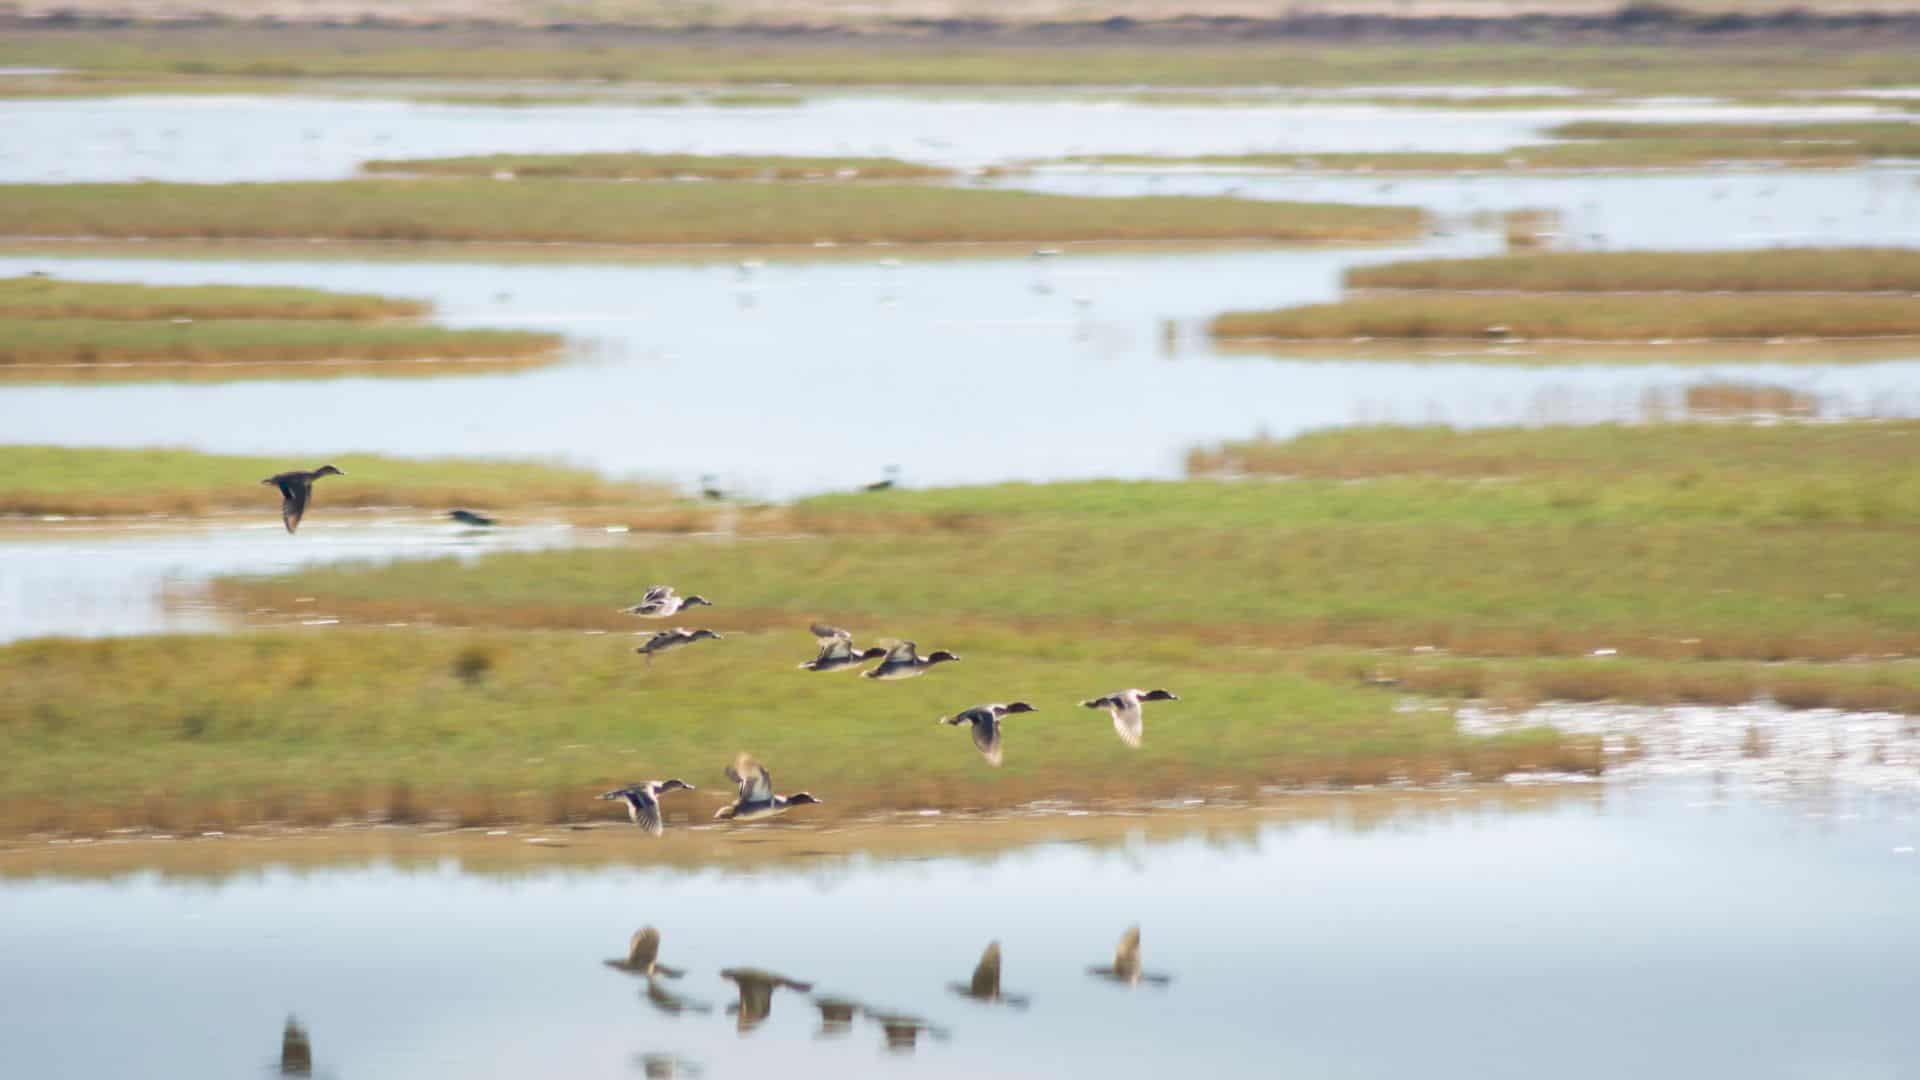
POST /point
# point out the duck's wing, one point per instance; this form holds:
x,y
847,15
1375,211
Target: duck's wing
x,y
826,635
1126,956
644,808
902,652
986,735
644,948
1128,723
657,594
838,648
986,974
756,783
294,494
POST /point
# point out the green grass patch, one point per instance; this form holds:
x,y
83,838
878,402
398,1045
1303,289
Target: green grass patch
x,y
50,298
66,480
468,725
661,167
1778,270
37,348
462,210
1866,138
1594,317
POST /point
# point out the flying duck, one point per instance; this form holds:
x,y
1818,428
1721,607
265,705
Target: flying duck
x,y
641,952
643,803
836,1015
673,639
1124,707
296,1051
986,725
837,652
901,1030
904,662
757,799
468,517
756,994
985,985
1126,963
660,602
296,487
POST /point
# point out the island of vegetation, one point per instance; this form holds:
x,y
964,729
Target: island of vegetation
x,y
661,167
54,329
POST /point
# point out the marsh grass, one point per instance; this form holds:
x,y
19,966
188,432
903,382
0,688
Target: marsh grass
x,y
29,346
64,480
619,166
317,726
50,298
720,212
1864,138
1744,399
1778,270
1592,317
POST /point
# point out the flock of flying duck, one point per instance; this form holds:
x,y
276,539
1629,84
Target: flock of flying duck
x,y
756,797
901,660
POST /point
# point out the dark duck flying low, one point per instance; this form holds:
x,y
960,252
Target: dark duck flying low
x,y
985,720
904,661
1124,707
757,799
837,652
472,520
643,802
673,639
296,490
660,602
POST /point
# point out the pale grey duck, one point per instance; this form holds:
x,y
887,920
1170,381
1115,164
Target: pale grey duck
x,y
673,639
756,799
1124,707
903,661
985,721
643,801
837,652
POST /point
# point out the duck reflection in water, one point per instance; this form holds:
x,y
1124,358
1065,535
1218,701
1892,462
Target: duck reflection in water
x,y
296,1053
836,1016
672,1004
666,1066
643,952
902,1032
985,985
756,994
1126,963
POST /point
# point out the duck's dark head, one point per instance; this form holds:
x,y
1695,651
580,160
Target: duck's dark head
x,y
1159,695
675,785
801,798
328,470
941,656
1020,707
692,600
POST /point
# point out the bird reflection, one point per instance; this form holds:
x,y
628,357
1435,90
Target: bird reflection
x,y
1126,963
901,1031
642,950
756,994
296,1053
664,1066
672,1004
985,985
836,1015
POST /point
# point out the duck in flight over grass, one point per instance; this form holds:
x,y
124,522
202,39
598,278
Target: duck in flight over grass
x,y
837,652
643,802
471,519
985,985
296,488
642,955
1126,963
985,720
660,602
673,639
1124,707
757,799
904,661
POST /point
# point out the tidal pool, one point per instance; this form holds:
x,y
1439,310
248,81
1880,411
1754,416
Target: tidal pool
x,y
1590,931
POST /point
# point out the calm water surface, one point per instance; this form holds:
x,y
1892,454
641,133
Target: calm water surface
x,y
1626,931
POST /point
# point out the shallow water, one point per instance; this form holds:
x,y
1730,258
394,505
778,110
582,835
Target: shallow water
x,y
88,579
1652,930
207,139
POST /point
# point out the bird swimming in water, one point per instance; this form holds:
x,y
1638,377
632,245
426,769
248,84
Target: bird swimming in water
x,y
660,602
642,953
904,661
757,799
1126,963
985,985
643,802
837,652
469,518
985,720
673,639
296,488
1124,707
